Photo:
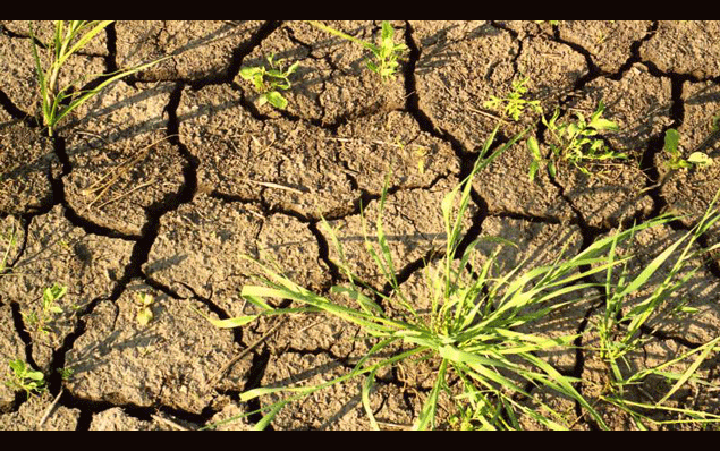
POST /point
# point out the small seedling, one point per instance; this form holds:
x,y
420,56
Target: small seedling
x,y
671,146
514,103
386,55
23,378
66,373
49,309
574,142
269,82
144,314
69,38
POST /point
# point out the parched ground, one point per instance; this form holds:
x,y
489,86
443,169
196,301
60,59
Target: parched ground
x,y
159,184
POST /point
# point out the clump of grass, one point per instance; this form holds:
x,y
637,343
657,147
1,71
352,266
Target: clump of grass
x,y
469,328
269,82
69,38
24,378
385,55
619,329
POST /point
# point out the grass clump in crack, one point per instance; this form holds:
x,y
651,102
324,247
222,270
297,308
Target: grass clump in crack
x,y
69,38
620,329
469,330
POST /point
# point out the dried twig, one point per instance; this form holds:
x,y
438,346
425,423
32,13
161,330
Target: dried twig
x,y
216,377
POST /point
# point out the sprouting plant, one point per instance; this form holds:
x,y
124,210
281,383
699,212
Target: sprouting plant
x,y
619,329
514,103
574,142
386,55
69,38
671,146
24,378
66,373
269,82
49,308
143,303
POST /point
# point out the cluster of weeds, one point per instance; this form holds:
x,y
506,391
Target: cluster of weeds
x,y
471,330
269,82
385,56
24,378
575,141
69,38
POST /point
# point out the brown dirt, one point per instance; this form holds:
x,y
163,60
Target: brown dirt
x,y
162,181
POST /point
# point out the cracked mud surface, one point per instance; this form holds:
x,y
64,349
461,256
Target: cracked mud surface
x,y
161,182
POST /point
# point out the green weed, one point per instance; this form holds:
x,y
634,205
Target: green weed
x,y
573,142
69,38
514,103
143,304
386,55
269,82
671,146
49,309
23,378
469,329
619,329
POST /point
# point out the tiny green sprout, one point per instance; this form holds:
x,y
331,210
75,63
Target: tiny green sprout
x,y
23,378
144,314
269,82
386,55
50,295
671,146
66,373
49,309
514,103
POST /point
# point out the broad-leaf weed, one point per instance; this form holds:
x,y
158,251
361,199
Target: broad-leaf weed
x,y
671,146
574,142
23,378
514,104
269,82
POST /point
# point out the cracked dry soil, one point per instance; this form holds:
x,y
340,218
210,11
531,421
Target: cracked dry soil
x,y
159,183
